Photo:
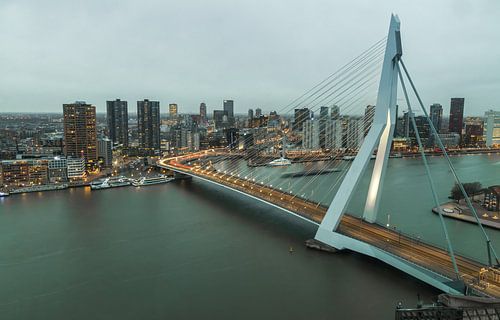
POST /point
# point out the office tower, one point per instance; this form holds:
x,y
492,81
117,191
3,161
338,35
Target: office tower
x,y
368,118
492,128
250,114
229,108
436,115
172,110
310,134
300,117
323,118
105,152
258,112
80,134
456,115
333,135
148,125
335,113
203,111
117,118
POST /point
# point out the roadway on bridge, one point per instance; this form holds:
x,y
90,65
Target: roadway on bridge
x,y
413,250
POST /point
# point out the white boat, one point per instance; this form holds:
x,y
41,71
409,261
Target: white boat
x,y
282,161
351,158
112,182
4,194
146,181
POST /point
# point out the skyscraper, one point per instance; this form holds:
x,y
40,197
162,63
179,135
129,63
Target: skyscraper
x,y
148,125
172,110
105,152
117,118
436,115
250,114
335,113
80,134
323,118
300,117
456,115
258,112
203,111
311,134
229,109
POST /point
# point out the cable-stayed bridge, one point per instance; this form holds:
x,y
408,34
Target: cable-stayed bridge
x,y
352,86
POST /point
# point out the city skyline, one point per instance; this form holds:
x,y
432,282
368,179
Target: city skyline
x,y
279,62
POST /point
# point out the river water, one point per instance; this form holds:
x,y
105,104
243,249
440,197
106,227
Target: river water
x,y
189,249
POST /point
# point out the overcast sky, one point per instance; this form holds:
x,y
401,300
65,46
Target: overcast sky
x,y
259,53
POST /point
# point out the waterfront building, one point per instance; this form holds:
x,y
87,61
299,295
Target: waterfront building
x,y
105,152
148,125
80,134
450,140
58,169
117,119
474,129
333,135
203,112
310,134
436,115
456,115
232,137
300,117
492,128
76,168
23,173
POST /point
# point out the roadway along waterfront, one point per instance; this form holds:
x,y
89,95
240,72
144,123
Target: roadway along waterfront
x,y
424,255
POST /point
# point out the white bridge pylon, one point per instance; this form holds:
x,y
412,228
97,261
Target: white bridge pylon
x,y
381,132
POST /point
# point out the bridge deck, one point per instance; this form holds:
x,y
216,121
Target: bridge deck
x,y
413,250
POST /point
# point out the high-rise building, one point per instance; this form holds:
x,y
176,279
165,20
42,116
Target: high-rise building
x,y
148,125
333,135
258,112
456,115
473,131
250,114
105,152
355,132
229,108
310,134
436,115
335,112
300,117
492,128
323,118
172,110
203,112
80,134
117,118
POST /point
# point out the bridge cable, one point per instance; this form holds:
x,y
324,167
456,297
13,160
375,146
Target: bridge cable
x,y
452,168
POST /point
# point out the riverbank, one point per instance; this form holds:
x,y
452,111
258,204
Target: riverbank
x,y
461,212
